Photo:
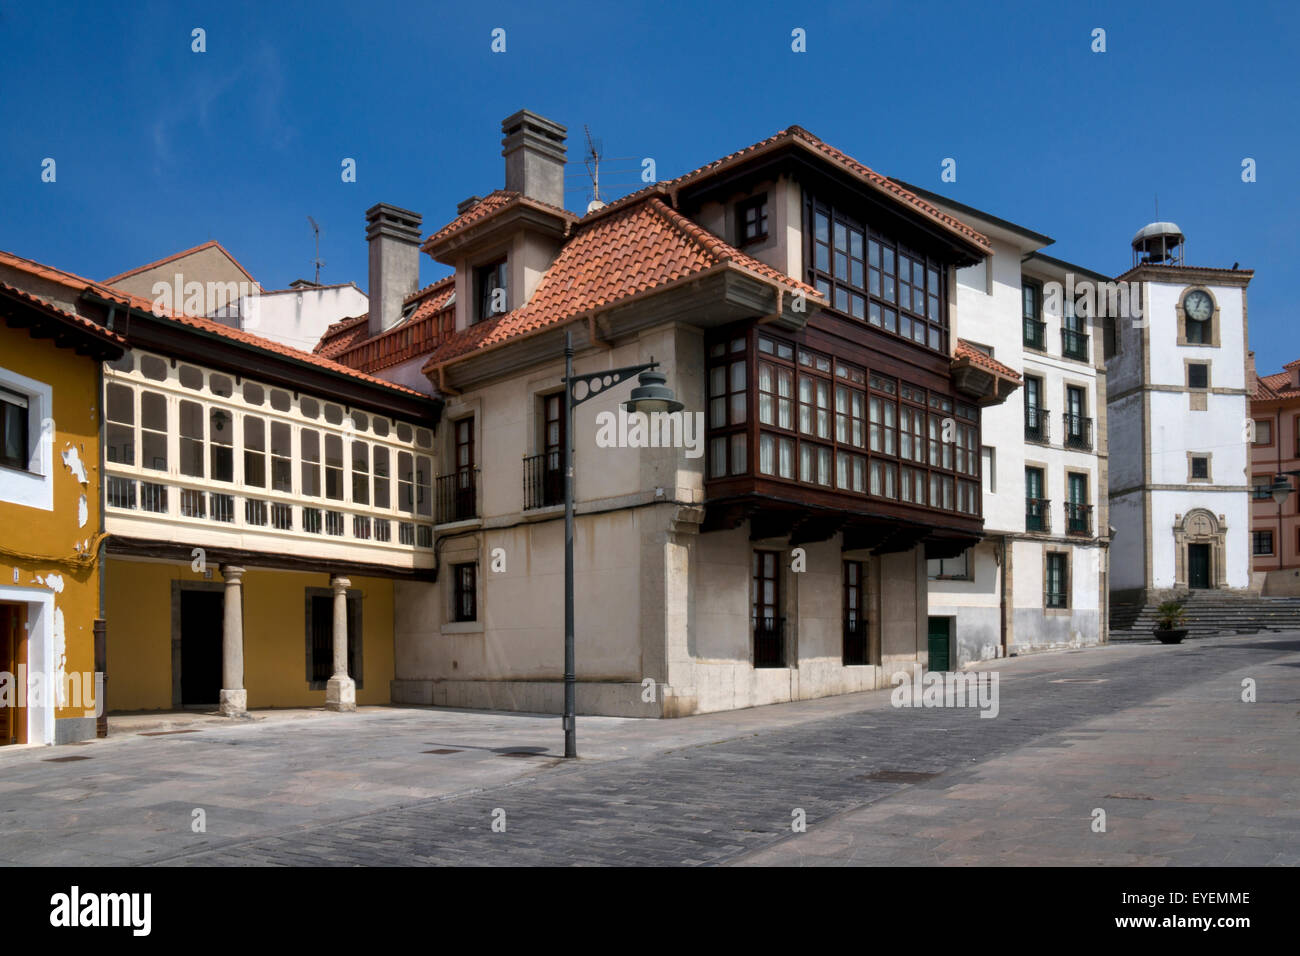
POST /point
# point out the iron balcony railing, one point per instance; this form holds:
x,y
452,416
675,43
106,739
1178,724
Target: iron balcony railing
x,y
457,495
1036,424
1078,518
543,480
1074,345
855,640
1078,432
769,642
1038,514
1035,334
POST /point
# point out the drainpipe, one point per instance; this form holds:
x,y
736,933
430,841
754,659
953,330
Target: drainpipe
x,y
100,662
1003,606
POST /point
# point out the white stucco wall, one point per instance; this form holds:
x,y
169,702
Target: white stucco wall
x,y
299,317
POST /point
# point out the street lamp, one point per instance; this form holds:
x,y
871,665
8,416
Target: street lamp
x,y
651,395
1281,487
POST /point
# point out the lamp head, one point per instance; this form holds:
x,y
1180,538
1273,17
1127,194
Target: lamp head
x,y
1279,490
652,395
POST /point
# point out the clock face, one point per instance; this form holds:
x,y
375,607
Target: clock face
x,y
1198,306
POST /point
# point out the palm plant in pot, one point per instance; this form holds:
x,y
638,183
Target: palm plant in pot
x,y
1169,620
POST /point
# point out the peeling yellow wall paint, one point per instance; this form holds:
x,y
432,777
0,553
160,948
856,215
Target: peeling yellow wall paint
x,y
53,551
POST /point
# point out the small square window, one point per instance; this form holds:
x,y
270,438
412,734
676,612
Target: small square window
x,y
1198,375
751,219
1200,467
492,289
15,446
1263,432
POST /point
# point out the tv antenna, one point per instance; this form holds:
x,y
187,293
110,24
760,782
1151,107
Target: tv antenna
x,y
317,261
592,159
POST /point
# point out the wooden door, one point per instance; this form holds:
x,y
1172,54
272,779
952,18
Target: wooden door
x,y
940,635
13,661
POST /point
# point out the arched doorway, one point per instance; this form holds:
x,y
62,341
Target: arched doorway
x,y
1199,550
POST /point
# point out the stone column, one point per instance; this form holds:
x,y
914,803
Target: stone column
x,y
234,698
340,690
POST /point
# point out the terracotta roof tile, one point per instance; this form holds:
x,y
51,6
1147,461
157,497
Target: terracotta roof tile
x,y
1277,386
637,249
490,205
209,326
344,340
799,135
985,361
79,321
343,334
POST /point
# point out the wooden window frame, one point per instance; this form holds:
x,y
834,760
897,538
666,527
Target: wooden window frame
x,y
934,274
464,592
743,208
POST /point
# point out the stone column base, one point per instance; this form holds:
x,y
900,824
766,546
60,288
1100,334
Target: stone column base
x,y
234,703
341,694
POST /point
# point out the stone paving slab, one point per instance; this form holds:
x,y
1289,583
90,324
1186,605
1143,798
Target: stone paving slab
x,y
360,790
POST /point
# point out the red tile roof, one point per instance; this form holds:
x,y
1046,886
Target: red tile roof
x,y
985,361
800,137
432,321
343,334
104,291
639,248
80,322
210,244
490,205
1278,386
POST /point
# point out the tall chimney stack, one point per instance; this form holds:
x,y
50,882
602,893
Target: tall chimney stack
x,y
394,238
534,150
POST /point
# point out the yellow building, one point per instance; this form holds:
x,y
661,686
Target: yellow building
x,y
260,508
50,518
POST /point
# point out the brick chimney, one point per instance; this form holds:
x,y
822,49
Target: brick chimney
x,y
534,150
394,238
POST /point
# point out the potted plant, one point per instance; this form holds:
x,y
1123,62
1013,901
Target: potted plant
x,y
1169,620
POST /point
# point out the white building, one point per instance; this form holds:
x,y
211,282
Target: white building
x,y
1038,579
297,316
1179,420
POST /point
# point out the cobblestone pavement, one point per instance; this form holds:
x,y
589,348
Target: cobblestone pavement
x,y
1157,737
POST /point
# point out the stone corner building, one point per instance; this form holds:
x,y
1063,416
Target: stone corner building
x,y
800,304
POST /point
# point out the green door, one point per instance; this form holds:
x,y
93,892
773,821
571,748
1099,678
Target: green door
x,y
940,633
1198,565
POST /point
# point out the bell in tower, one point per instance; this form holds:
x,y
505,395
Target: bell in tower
x,y
1158,243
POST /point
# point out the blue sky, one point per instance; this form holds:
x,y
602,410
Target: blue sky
x,y
159,148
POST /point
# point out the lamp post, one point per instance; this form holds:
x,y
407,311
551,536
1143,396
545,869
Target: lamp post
x,y
651,395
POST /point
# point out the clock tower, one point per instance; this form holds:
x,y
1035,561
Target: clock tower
x,y
1178,410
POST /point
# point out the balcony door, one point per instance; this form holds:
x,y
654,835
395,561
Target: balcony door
x,y
1076,434
1078,503
464,488
1034,430
1035,507
553,448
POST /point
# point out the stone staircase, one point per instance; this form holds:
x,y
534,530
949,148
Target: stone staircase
x,y
1210,613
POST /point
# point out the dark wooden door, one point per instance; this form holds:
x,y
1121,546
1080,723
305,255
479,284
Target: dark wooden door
x,y
1198,565
940,634
13,655
202,613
